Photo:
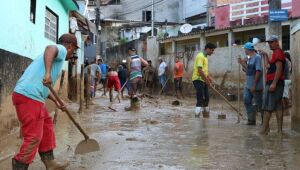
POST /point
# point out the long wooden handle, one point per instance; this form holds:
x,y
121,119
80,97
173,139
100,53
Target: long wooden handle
x,y
226,100
239,89
163,86
123,85
69,114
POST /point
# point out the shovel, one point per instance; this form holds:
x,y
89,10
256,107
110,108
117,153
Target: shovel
x,y
224,98
85,146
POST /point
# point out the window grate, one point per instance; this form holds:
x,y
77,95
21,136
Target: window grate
x,y
51,25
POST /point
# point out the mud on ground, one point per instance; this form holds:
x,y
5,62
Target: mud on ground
x,y
163,136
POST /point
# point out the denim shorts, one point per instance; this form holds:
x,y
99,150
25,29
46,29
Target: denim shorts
x,y
272,101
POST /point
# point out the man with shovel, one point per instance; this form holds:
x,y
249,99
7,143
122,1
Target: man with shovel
x,y
29,98
254,82
135,63
201,79
113,82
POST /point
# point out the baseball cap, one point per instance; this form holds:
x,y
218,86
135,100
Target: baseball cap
x,y
273,38
249,46
131,49
68,38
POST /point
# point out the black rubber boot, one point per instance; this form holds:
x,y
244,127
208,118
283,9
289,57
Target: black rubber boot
x,y
134,104
16,165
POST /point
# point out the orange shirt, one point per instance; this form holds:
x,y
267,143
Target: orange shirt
x,y
178,70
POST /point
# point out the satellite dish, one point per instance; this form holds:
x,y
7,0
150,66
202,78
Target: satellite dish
x,y
186,28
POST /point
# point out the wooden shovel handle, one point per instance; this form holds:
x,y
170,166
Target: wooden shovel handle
x,y
123,85
224,98
69,114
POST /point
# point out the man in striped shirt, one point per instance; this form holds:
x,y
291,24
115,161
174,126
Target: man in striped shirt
x,y
135,63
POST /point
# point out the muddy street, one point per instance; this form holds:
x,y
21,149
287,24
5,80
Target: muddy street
x,y
163,136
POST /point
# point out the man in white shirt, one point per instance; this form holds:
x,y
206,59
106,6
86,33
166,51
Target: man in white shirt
x,y
162,74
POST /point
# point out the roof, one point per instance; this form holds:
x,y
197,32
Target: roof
x,y
85,23
135,23
70,5
217,30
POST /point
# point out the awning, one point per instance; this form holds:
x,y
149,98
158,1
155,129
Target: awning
x,y
84,23
70,4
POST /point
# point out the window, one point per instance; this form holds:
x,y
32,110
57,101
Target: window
x,y
146,16
32,10
51,25
92,3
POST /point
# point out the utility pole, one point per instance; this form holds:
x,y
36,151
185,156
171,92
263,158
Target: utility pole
x,y
98,23
152,19
275,27
208,13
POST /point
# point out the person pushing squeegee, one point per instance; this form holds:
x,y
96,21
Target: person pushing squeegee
x,y
113,81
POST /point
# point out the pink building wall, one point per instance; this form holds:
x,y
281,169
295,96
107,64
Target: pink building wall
x,y
222,15
296,8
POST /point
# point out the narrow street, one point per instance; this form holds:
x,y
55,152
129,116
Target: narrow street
x,y
163,136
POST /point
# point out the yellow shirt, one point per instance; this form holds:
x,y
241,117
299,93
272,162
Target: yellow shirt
x,y
200,61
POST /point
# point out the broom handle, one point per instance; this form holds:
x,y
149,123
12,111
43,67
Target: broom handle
x,y
123,85
239,89
163,86
69,114
226,101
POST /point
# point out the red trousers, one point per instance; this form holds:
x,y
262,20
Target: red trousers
x,y
36,127
113,81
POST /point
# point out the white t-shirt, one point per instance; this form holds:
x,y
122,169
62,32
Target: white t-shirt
x,y
162,68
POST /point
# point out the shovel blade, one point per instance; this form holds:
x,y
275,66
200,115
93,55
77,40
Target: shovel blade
x,y
86,146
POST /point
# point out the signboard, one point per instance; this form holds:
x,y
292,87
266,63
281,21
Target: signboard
x,y
278,15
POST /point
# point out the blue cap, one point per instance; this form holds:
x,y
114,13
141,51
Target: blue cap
x,y
249,46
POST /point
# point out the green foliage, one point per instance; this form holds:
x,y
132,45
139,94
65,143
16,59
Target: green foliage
x,y
123,41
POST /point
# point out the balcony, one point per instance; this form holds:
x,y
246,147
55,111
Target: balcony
x,y
252,9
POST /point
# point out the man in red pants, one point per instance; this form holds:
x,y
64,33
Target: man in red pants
x,y
113,81
29,98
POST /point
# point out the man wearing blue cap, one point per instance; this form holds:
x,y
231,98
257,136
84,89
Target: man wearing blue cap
x,y
252,65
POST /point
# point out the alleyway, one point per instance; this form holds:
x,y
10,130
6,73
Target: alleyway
x,y
162,136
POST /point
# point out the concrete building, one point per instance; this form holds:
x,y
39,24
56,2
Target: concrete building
x,y
295,51
128,20
28,27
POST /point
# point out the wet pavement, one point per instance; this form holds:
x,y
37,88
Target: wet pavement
x,y
167,137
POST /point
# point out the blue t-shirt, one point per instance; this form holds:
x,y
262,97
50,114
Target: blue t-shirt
x,y
31,85
103,68
254,64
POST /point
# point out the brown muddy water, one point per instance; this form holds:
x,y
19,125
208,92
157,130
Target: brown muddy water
x,y
166,137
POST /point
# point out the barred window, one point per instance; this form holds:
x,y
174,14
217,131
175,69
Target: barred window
x,y
51,25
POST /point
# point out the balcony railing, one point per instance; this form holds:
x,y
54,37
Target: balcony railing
x,y
250,8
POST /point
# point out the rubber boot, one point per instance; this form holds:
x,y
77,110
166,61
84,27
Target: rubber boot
x,y
49,162
206,112
198,110
266,129
134,104
16,165
279,117
130,107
